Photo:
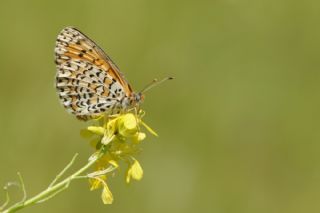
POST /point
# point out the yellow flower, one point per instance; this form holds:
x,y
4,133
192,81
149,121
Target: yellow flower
x,y
135,171
121,136
106,195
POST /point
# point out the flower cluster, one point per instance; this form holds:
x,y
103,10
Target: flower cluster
x,y
120,135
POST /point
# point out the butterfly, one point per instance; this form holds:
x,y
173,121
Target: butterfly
x,y
88,82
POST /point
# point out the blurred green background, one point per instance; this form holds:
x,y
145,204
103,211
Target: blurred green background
x,y
239,126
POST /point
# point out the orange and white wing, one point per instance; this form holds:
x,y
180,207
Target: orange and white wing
x,y
87,81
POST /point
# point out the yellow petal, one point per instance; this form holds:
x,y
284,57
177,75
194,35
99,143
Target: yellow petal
x,y
106,196
94,183
129,121
140,136
127,125
96,130
111,126
135,172
128,176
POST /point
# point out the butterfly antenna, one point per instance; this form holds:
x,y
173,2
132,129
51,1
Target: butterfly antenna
x,y
154,83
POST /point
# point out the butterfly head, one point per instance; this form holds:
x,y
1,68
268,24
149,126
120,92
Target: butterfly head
x,y
132,101
136,98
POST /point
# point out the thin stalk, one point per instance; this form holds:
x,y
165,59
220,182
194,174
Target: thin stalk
x,y
55,189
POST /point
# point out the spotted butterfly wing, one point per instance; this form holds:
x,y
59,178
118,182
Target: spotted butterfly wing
x,y
87,81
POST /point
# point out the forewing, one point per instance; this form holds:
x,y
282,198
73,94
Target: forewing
x,y
87,81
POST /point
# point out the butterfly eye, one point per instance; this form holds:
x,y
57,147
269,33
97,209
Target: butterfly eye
x,y
139,97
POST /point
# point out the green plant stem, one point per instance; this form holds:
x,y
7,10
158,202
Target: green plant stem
x,y
55,189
